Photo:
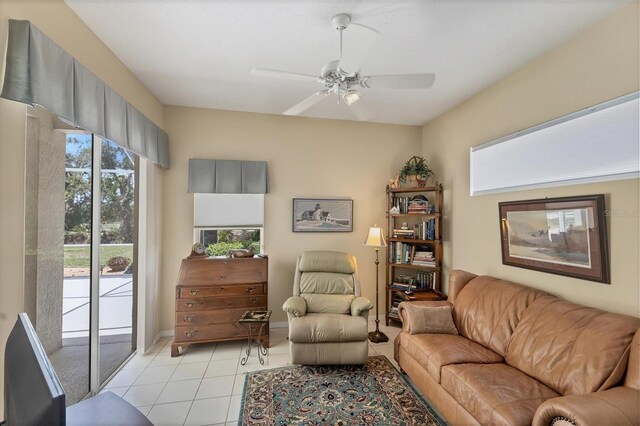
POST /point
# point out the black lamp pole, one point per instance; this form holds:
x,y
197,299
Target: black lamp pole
x,y
377,336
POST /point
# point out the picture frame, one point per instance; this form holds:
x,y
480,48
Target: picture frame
x,y
564,236
322,215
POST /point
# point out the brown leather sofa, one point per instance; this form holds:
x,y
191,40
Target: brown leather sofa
x,y
523,357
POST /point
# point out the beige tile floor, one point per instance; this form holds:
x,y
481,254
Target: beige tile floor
x,y
204,386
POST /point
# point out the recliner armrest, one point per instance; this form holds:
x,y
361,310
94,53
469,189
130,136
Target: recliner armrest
x,y
615,406
360,306
296,306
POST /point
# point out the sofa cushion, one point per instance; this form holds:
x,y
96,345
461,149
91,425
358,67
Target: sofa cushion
x,y
433,351
430,319
571,348
316,328
495,394
326,261
487,310
326,282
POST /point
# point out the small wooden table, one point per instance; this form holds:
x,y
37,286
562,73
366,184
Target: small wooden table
x,y
248,319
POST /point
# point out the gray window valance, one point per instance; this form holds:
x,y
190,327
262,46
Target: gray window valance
x,y
228,176
39,72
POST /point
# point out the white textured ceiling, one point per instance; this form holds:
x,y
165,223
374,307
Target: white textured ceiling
x,y
200,53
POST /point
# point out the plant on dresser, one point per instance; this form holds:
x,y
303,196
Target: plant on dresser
x,y
414,252
211,296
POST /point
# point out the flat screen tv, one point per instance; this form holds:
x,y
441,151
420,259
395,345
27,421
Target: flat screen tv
x,y
33,394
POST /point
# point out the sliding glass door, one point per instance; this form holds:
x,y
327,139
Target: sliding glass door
x,y
80,238
117,256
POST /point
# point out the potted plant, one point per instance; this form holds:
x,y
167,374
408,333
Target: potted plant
x,y
118,263
415,171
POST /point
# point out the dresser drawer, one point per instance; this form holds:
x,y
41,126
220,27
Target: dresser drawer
x,y
213,332
187,292
223,271
221,316
205,303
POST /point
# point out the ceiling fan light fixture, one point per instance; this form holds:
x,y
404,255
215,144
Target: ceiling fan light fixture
x,y
351,97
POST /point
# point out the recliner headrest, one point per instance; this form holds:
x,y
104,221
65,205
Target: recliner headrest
x,y
326,261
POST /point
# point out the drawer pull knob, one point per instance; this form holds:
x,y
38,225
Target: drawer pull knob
x,y
190,333
189,304
194,292
253,300
251,290
189,318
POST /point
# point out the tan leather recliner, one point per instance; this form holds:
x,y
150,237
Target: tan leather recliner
x,y
327,316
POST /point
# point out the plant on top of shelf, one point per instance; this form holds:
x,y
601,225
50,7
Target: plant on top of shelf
x,y
416,171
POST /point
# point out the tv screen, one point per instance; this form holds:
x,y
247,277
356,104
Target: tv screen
x,y
33,394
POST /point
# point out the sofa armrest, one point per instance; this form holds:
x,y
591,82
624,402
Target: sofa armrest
x,y
296,306
615,406
360,307
405,317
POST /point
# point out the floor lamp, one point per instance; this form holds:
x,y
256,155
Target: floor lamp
x,y
376,240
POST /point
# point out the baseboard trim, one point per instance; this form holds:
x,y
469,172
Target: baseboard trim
x,y
163,333
279,324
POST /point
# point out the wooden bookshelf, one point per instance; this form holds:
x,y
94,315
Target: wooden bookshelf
x,y
426,280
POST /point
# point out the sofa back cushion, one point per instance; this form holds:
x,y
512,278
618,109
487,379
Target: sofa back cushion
x,y
487,310
632,379
571,348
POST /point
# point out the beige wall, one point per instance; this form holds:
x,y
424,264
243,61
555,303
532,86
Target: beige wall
x,y
56,20
307,158
597,65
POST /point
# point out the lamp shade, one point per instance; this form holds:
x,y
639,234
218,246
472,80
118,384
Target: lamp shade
x,y
375,238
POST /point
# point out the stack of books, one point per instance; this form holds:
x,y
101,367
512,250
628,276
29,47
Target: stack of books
x,y
417,206
423,258
403,233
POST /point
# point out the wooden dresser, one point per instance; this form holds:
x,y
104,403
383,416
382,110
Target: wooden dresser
x,y
212,294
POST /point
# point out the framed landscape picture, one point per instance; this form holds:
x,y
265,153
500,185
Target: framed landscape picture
x,y
565,236
322,215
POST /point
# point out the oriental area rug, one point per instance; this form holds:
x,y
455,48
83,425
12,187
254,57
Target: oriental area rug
x,y
373,394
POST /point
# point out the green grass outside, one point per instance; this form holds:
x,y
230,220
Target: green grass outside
x,y
79,257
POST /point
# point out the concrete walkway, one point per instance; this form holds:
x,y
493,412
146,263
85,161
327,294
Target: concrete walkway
x,y
116,299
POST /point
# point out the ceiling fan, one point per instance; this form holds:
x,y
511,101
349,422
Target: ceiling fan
x,y
342,77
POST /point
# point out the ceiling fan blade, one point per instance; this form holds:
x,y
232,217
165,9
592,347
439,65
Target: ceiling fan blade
x,y
399,81
358,41
265,72
362,110
307,103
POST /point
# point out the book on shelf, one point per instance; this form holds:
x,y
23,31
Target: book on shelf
x,y
423,280
425,230
409,254
409,205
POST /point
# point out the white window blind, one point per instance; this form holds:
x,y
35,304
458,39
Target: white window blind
x,y
596,144
228,210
